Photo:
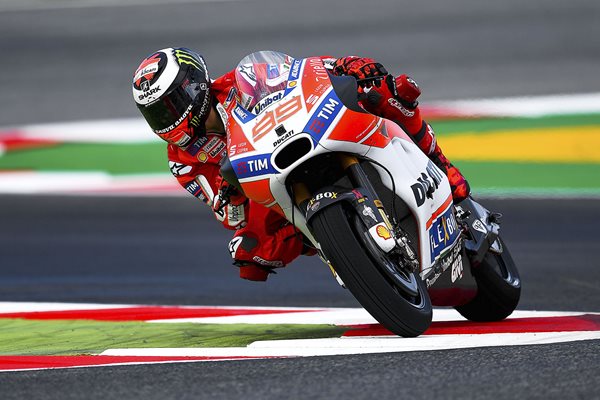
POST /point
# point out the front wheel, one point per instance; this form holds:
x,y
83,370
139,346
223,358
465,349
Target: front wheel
x,y
397,299
498,288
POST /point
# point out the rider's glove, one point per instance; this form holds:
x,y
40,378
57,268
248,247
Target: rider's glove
x,y
229,205
362,68
401,92
405,90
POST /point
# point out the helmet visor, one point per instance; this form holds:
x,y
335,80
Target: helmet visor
x,y
192,96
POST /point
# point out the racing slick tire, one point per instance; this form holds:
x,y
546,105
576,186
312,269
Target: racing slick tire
x,y
498,288
353,255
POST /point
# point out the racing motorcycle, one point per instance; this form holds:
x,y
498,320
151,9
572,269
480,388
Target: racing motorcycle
x,y
378,211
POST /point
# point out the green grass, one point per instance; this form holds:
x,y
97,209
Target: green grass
x,y
111,158
76,337
460,126
498,175
150,158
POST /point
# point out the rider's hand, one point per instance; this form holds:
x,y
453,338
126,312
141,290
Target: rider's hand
x,y
229,205
405,90
361,68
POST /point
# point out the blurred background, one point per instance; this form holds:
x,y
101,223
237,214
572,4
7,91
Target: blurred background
x,y
68,125
73,60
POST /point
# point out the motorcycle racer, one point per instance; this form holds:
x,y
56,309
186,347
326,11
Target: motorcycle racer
x,y
183,106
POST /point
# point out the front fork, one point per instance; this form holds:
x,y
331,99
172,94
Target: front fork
x,y
388,237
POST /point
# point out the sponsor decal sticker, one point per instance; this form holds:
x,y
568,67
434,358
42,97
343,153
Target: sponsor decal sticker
x,y
202,157
294,76
215,152
179,121
211,143
242,115
230,97
427,184
396,104
268,263
195,189
283,138
253,166
178,169
184,57
368,212
323,116
457,269
272,71
247,72
295,71
148,71
383,232
149,92
321,196
443,233
479,226
267,101
234,244
195,146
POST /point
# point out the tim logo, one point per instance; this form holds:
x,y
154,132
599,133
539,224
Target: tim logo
x,y
253,166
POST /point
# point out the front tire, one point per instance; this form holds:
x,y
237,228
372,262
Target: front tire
x,y
498,288
338,230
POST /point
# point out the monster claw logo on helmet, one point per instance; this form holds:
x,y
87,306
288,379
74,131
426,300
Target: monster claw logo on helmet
x,y
171,89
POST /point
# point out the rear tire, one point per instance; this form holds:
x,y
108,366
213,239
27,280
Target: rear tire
x,y
498,288
338,229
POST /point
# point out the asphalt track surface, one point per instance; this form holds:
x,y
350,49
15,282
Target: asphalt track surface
x,y
171,251
75,64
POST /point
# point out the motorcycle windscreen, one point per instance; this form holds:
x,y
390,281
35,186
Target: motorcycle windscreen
x,y
261,79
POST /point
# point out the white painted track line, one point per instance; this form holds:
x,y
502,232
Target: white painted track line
x,y
364,345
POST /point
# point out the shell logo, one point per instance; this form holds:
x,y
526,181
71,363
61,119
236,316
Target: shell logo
x,y
383,232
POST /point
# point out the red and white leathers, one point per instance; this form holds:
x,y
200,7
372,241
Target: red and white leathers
x,y
263,239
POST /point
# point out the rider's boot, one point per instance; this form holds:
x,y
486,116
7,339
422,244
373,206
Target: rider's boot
x,y
396,100
459,185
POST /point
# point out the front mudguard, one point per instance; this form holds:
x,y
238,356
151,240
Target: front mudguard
x,y
366,204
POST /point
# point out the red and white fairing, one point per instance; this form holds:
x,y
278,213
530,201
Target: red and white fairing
x,y
309,111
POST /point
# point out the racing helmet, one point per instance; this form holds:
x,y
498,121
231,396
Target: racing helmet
x,y
171,89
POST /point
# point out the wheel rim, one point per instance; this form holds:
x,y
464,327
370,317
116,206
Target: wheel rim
x,y
502,268
404,282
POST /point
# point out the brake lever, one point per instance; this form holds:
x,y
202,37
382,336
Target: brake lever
x,y
365,81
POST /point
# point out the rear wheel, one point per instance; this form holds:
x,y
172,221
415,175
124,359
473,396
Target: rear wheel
x,y
498,288
398,299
